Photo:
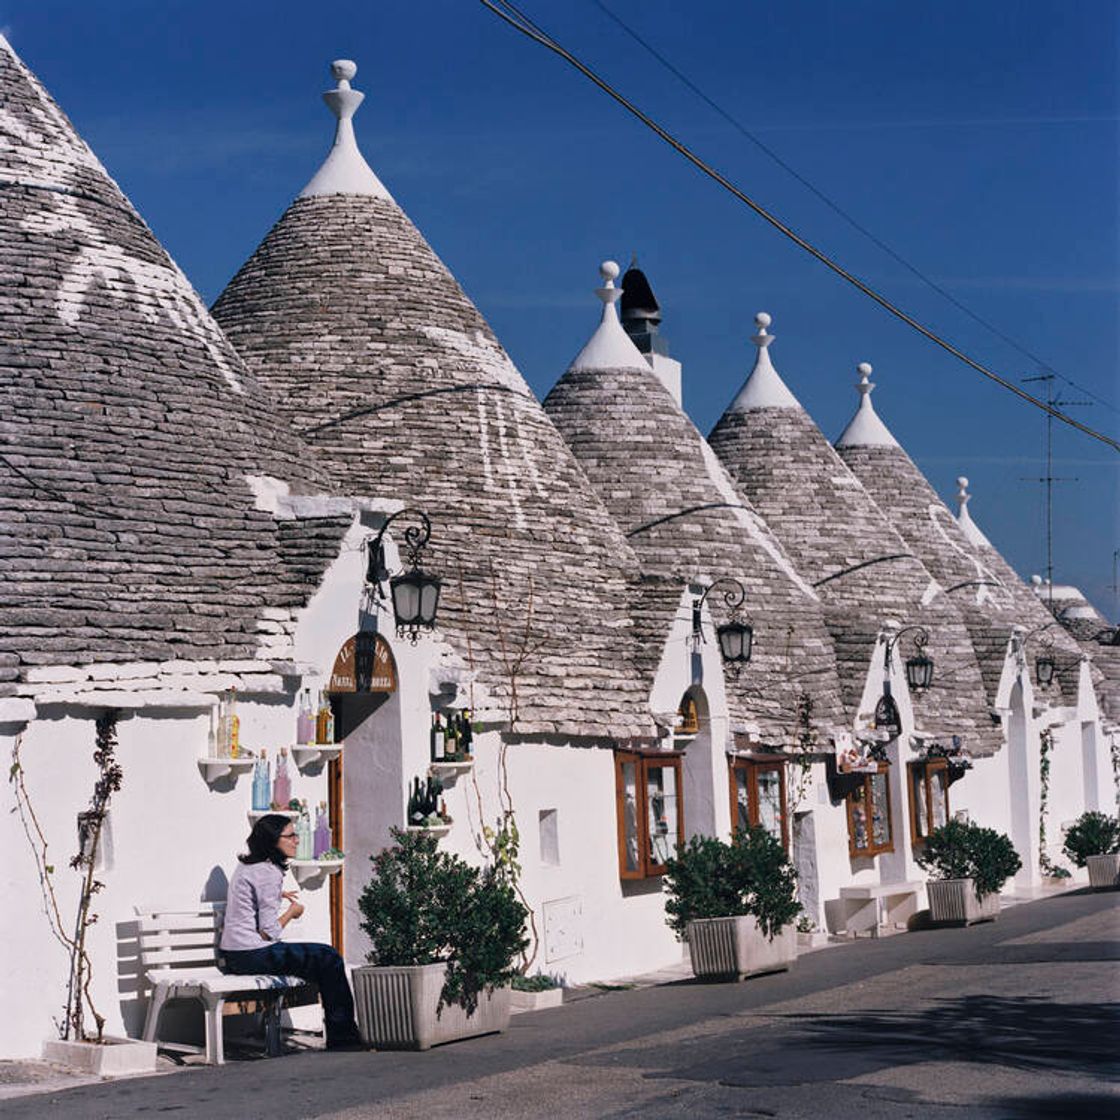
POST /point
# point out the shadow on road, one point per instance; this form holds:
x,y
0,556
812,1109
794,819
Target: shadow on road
x,y
1022,1033
1058,1106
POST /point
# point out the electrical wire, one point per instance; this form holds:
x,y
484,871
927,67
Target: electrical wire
x,y
510,14
837,209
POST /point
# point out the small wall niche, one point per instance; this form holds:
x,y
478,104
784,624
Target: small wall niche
x,y
548,825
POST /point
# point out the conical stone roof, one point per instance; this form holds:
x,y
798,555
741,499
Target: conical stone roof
x,y
686,519
381,363
989,596
842,543
129,429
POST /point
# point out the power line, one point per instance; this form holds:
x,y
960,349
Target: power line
x,y
509,13
837,209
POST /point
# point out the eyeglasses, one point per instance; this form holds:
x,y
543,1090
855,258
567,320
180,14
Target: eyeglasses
x,y
289,836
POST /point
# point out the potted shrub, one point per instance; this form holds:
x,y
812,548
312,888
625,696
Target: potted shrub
x,y
534,993
734,903
1093,841
969,865
445,936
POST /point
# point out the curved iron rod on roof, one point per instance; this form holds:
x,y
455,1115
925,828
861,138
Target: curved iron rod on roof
x,y
866,564
735,597
415,538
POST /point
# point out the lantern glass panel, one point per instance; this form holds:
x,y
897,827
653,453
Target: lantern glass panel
x,y
735,641
1044,670
406,600
429,599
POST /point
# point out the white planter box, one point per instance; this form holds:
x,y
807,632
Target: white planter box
x,y
111,1058
734,948
1104,871
397,1008
954,902
535,1001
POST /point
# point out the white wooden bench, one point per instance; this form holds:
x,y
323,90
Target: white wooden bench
x,y
179,956
899,902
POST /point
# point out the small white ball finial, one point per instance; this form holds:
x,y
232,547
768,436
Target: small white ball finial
x,y
343,70
962,482
864,369
1036,580
762,320
609,271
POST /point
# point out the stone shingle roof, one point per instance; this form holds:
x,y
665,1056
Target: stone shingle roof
x,y
844,545
128,429
986,592
387,370
685,519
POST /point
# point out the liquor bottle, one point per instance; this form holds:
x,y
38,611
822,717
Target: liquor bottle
x,y
223,728
282,783
439,740
262,784
443,815
213,736
451,750
305,721
306,846
324,721
322,831
466,735
234,725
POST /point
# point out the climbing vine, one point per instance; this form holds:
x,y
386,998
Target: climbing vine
x,y
1046,746
806,745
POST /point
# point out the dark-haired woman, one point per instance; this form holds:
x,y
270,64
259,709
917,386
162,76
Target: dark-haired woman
x,y
254,925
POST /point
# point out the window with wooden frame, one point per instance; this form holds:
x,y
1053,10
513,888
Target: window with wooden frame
x,y
929,797
758,796
869,815
650,811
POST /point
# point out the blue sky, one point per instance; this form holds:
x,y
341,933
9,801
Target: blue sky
x,y
978,139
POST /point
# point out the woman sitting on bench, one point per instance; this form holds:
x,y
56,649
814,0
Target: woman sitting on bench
x,y
254,925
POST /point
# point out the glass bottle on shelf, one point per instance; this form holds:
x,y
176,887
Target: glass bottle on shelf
x,y
324,721
305,721
439,740
282,783
452,748
234,725
262,784
223,728
306,845
322,831
214,735
466,735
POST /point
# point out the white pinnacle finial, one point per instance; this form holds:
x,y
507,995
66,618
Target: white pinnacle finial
x,y
864,384
761,338
1036,580
345,170
969,527
963,496
608,293
865,428
610,347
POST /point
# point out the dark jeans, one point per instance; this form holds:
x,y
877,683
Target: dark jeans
x,y
309,961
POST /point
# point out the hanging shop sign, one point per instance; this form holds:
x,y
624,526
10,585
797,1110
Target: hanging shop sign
x,y
887,717
853,757
364,664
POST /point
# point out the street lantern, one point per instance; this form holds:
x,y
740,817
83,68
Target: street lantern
x,y
919,668
736,636
1044,668
414,592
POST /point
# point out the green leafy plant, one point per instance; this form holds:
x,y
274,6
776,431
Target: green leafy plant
x,y
1092,834
708,878
963,850
541,982
424,906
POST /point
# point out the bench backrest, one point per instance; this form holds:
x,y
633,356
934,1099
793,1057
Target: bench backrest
x,y
180,938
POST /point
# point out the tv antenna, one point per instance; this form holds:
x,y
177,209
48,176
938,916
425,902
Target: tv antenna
x,y
1049,478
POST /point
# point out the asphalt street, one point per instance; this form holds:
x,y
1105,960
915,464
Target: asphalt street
x,y
1012,1020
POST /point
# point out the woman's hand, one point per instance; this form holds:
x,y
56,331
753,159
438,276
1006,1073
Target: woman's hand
x,y
291,896
295,910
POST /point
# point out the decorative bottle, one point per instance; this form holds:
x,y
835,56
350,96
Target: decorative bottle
x,y
262,784
439,742
322,831
452,749
282,783
324,721
306,847
234,725
214,736
305,721
466,735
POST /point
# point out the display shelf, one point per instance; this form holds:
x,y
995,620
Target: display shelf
x,y
213,769
306,755
449,772
438,831
256,814
312,873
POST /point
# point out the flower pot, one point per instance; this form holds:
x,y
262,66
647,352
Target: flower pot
x,y
535,1001
954,902
734,948
1104,871
397,1008
109,1058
